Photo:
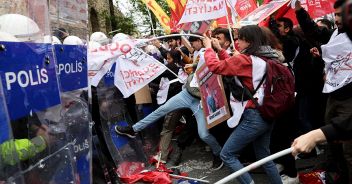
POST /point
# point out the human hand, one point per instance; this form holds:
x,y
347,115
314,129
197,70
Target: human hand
x,y
188,68
305,143
298,5
43,131
315,52
206,41
216,44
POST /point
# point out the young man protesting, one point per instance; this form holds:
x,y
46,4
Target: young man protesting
x,y
189,97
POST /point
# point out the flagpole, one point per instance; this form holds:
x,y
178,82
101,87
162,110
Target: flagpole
x,y
150,18
228,25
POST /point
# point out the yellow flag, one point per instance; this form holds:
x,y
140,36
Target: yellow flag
x,y
163,18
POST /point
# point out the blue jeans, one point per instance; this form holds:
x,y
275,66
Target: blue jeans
x,y
252,128
179,101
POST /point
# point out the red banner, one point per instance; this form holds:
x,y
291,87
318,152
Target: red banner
x,y
315,8
245,7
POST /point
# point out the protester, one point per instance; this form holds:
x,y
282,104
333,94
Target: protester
x,y
283,29
170,86
189,97
250,69
173,43
274,43
337,83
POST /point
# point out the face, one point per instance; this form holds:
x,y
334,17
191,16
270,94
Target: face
x,y
338,19
195,27
169,59
222,41
282,30
172,43
242,44
197,45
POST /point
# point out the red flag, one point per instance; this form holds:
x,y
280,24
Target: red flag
x,y
176,9
222,21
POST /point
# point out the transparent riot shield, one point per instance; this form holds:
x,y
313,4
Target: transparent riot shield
x,y
9,161
127,154
28,73
69,24
55,168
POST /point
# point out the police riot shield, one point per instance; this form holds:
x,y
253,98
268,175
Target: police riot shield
x,y
55,168
127,154
28,75
69,24
9,161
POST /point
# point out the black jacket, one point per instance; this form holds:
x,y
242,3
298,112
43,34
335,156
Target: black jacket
x,y
316,35
338,129
309,71
175,87
290,42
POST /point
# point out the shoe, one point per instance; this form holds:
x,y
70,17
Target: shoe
x,y
279,167
156,157
176,156
125,130
288,180
217,163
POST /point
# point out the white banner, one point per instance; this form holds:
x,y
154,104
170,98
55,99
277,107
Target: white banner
x,y
98,56
135,70
200,10
338,62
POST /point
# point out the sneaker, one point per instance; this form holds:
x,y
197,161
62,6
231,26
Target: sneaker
x,y
288,180
279,167
125,130
217,163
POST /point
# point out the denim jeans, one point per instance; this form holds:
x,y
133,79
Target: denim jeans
x,y
252,128
179,101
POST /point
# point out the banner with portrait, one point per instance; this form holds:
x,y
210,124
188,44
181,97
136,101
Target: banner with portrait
x,y
213,96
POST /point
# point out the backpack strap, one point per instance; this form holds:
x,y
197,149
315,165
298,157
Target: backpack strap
x,y
250,94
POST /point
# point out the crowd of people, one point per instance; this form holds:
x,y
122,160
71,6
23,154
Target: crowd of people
x,y
315,55
314,52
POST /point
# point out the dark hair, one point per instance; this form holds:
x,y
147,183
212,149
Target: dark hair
x,y
339,3
174,37
60,33
175,55
224,31
326,22
272,40
193,38
287,22
254,35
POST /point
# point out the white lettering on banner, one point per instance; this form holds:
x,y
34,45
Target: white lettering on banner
x,y
97,56
26,78
70,68
200,10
